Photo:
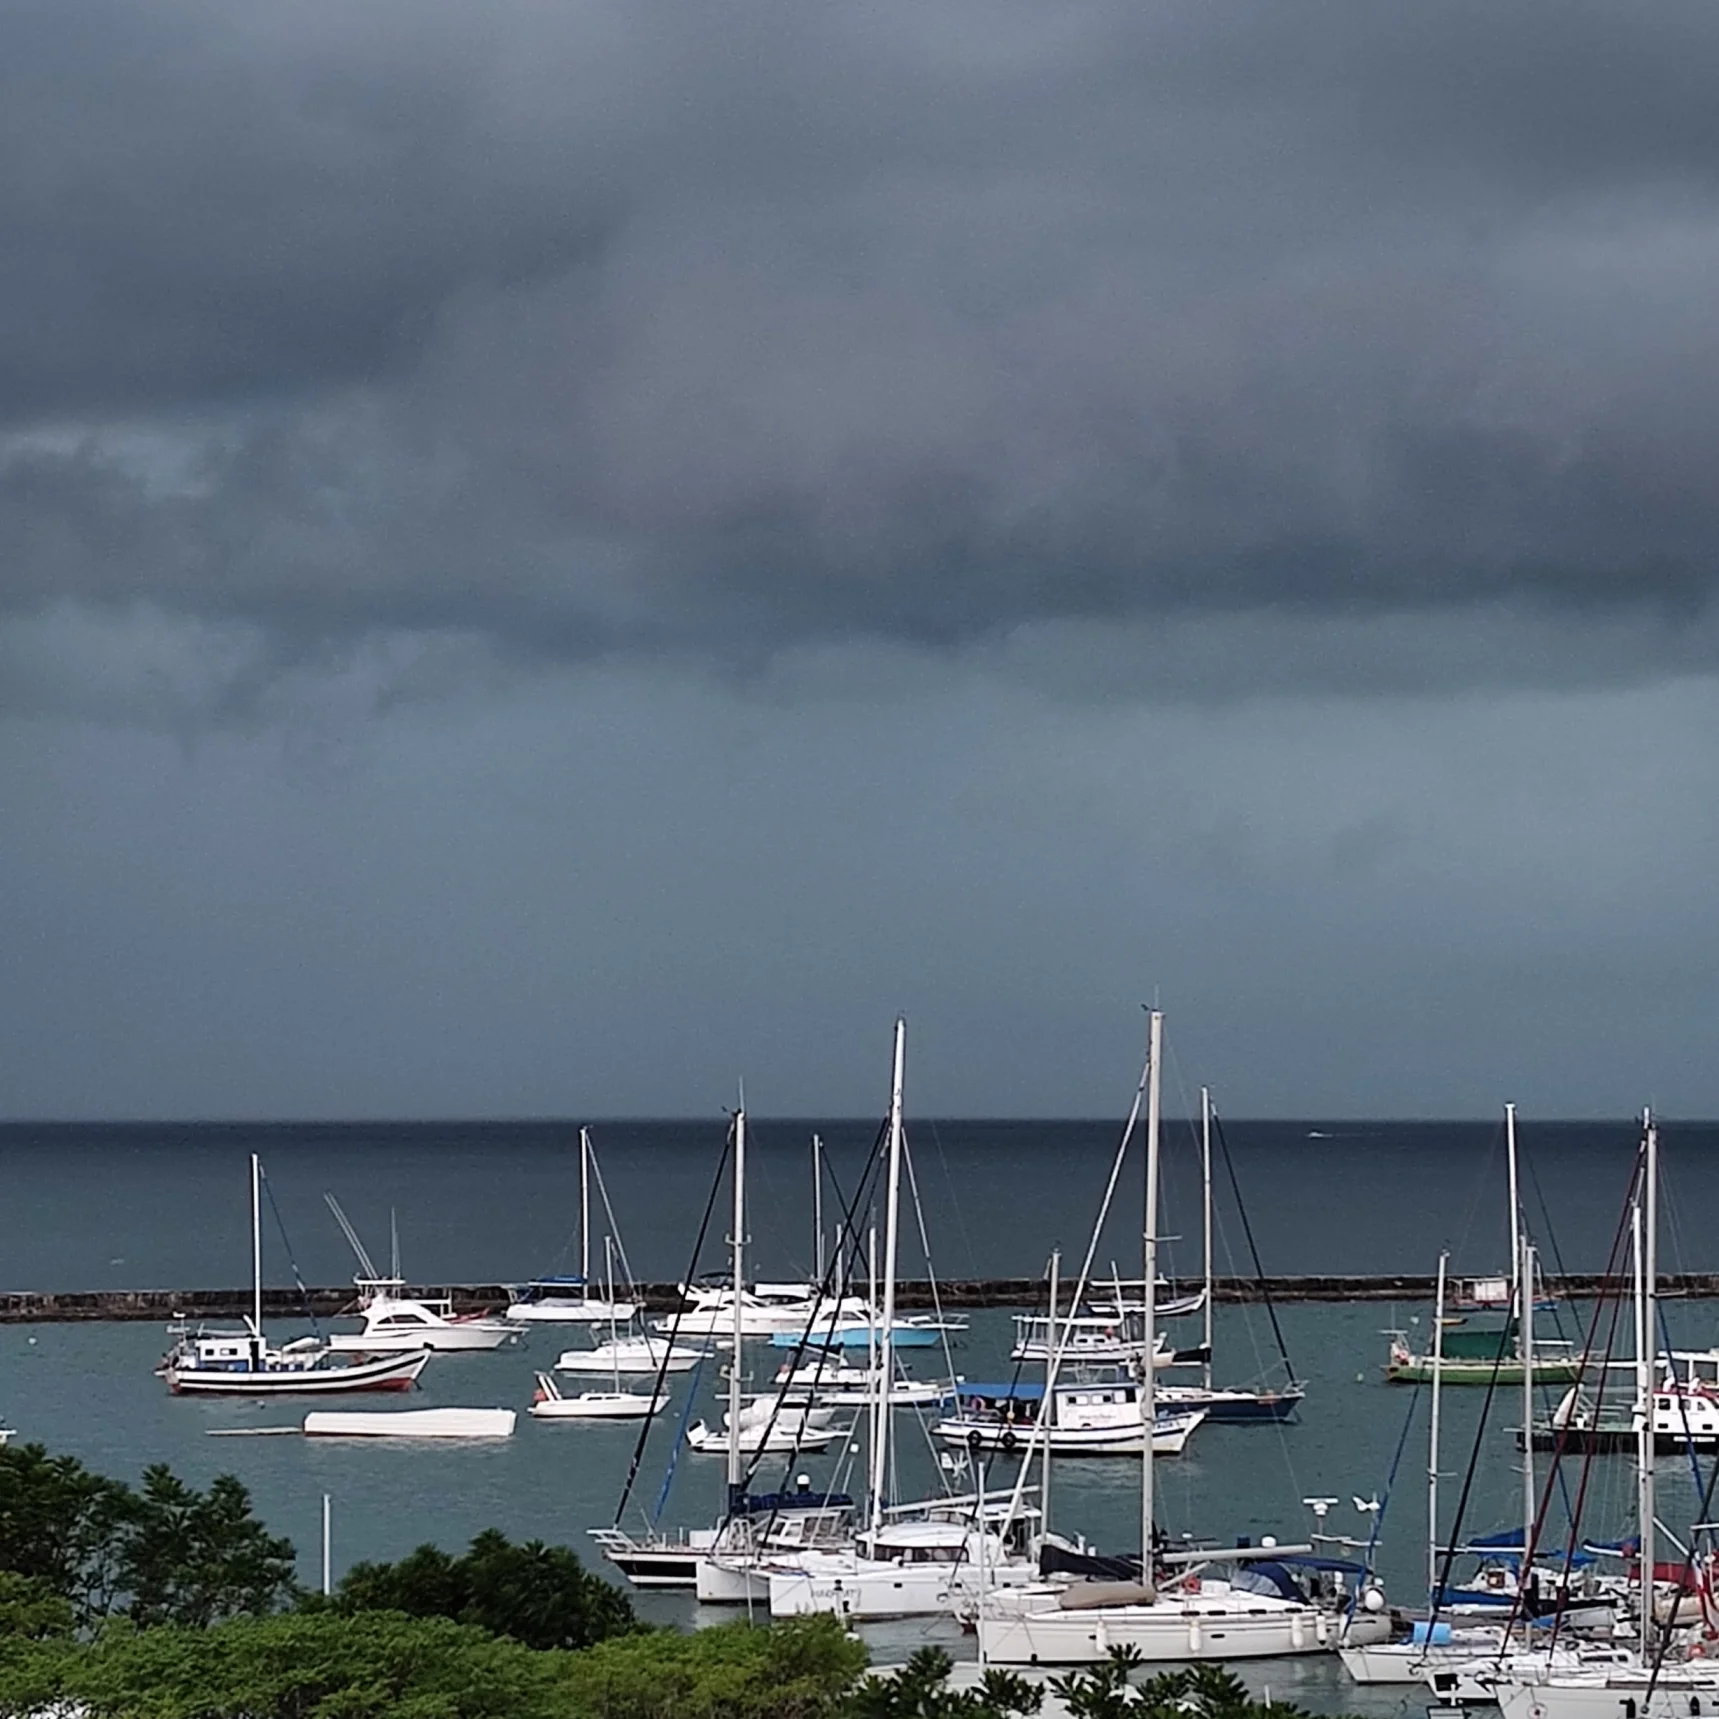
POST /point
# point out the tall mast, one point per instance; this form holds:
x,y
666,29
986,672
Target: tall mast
x,y
736,1470
1044,1409
891,1228
818,1212
1648,1257
1515,1213
1149,1298
256,1260
1432,1434
585,1209
1206,1209
1530,1504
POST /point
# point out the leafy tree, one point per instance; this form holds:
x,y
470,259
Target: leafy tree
x,y
296,1665
803,1668
539,1595
30,1610
61,1526
920,1690
191,1557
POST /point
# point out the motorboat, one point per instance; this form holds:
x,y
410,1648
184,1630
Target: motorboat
x,y
836,1382
788,1432
549,1404
1095,1415
396,1323
861,1330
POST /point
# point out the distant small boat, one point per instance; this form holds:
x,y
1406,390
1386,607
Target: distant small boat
x,y
637,1356
550,1405
575,1299
410,1423
781,1437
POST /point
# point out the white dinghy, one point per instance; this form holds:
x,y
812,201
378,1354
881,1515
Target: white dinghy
x,y
410,1423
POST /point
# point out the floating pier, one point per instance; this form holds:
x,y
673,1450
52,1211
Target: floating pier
x,y
160,1306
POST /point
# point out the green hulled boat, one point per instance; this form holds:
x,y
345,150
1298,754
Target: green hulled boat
x,y
1478,1357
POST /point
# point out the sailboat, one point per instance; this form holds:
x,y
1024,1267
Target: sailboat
x,y
566,1299
1178,1607
550,1403
908,1560
242,1363
1662,1680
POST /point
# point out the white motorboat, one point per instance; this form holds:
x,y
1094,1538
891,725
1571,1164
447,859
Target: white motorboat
x,y
710,1311
411,1423
574,1300
548,1403
835,1382
396,1323
1094,1416
242,1363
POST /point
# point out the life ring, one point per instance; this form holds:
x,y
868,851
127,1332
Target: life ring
x,y
975,1440
1008,1441
1536,1711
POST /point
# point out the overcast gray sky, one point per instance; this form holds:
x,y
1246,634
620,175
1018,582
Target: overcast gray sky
x,y
556,555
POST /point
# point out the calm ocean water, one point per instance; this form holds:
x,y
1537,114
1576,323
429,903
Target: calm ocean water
x,y
162,1206
165,1206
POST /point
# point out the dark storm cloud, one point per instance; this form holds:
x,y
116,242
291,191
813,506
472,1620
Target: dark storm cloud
x,y
598,327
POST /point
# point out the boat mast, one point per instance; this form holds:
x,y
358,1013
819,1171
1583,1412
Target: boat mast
x,y
818,1212
1044,1409
1647,1260
1515,1215
1432,1435
736,1470
1530,1504
1149,1299
891,1229
256,1262
585,1211
1206,1232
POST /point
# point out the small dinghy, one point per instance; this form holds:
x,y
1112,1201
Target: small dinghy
x,y
410,1423
550,1405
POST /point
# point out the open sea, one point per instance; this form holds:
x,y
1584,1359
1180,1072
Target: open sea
x,y
166,1206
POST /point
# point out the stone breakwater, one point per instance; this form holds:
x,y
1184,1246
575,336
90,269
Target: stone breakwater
x,y
19,1307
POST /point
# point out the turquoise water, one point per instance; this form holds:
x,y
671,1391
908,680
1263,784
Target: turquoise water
x,y
167,1207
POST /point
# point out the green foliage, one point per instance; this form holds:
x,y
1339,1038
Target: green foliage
x,y
315,1665
30,1610
920,1690
165,1554
61,1526
799,1669
539,1595
190,1557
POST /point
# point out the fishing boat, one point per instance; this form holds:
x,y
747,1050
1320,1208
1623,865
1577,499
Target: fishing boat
x,y
1217,1603
569,1299
213,1363
396,1322
549,1404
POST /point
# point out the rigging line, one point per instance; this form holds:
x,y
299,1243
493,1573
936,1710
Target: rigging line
x,y
280,1224
1252,1246
614,1228
925,1246
674,1331
1554,1475
1390,1484
1438,1596
865,1187
1041,1427
692,1384
954,1200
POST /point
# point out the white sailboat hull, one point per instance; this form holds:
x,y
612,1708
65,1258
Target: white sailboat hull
x,y
599,1406
636,1356
1676,1691
860,1588
1218,1626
